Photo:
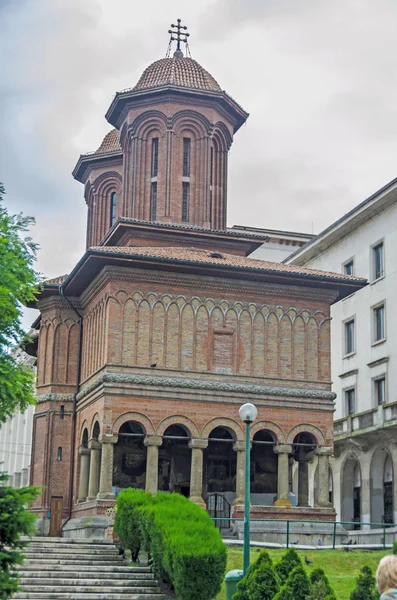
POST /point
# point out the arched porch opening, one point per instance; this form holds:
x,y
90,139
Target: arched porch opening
x,y
304,445
84,470
220,464
264,468
381,488
175,461
129,458
351,492
330,487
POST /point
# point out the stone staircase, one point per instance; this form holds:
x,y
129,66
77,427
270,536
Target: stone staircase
x,y
81,570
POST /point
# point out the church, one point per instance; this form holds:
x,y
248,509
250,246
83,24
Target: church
x,y
166,325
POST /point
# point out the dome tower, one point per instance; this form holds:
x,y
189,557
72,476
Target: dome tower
x,y
166,160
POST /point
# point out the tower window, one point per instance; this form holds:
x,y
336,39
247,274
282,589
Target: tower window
x,y
113,203
153,201
155,157
62,411
211,180
186,157
59,455
185,201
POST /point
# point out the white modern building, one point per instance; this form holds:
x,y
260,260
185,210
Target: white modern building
x,y
364,357
16,437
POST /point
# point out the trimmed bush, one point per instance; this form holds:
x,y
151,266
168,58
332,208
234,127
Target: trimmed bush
x,y
365,586
242,586
299,583
287,564
284,594
263,584
321,589
184,544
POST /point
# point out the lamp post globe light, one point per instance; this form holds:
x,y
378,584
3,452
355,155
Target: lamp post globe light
x,y
248,413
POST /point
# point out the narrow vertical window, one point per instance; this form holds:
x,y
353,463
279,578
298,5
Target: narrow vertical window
x,y
211,181
155,157
379,323
349,337
349,268
113,203
59,454
62,412
185,201
378,261
380,391
350,396
153,200
186,157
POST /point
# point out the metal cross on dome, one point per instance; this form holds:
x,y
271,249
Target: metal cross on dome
x,y
178,33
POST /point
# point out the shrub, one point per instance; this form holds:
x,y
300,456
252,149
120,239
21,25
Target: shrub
x,y
284,594
184,544
242,586
320,588
394,548
15,521
299,583
263,584
285,566
365,586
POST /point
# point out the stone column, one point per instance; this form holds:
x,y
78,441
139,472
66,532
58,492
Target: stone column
x,y
239,447
152,443
303,480
95,466
106,478
283,451
84,473
196,471
323,477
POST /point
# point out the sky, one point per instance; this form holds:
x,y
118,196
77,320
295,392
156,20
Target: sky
x,y
317,77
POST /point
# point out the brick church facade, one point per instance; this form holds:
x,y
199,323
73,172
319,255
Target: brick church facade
x,y
165,327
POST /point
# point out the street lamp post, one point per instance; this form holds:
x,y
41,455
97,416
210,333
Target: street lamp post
x,y
248,413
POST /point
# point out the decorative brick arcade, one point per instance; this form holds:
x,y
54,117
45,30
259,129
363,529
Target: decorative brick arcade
x,y
165,327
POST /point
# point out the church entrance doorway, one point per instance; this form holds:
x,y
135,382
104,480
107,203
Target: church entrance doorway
x,y
56,516
220,465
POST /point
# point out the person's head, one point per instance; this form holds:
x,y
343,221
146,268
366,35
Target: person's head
x,y
386,573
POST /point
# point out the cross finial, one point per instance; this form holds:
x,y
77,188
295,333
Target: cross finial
x,y
179,34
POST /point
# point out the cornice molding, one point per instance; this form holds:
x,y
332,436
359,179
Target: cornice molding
x,y
348,373
200,384
377,362
54,397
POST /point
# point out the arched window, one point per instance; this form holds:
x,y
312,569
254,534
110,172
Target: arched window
x,y
113,203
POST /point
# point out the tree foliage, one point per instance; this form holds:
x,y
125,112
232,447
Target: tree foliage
x,y
18,285
285,566
15,521
243,585
365,586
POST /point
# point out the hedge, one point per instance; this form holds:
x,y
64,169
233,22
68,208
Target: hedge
x,y
183,542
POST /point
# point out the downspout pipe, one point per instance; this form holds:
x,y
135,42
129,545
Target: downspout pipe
x,y
80,346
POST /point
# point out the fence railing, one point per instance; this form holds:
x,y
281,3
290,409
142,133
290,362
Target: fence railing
x,y
365,528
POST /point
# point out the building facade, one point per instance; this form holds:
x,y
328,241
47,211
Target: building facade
x,y
364,357
166,326
16,436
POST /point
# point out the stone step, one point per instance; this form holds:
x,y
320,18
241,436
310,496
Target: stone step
x,y
72,548
73,590
63,540
62,554
84,574
81,562
48,570
80,581
72,551
85,596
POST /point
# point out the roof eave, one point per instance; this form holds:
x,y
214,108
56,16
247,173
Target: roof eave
x,y
86,160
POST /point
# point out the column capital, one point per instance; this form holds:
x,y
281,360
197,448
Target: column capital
x,y
239,446
83,450
323,451
108,438
282,449
198,443
153,440
94,445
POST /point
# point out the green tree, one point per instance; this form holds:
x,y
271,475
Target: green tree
x,y
15,521
242,586
365,586
284,594
285,566
320,587
299,583
18,285
263,584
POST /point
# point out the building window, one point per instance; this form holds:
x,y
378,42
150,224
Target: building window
x,y
349,337
59,455
155,157
186,157
62,411
380,391
185,201
379,323
153,201
378,269
350,400
349,268
113,203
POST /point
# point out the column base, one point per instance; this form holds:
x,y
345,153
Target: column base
x,y
282,502
91,498
199,501
238,502
106,496
323,505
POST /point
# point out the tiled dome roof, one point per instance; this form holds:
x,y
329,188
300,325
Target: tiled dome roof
x,y
110,143
183,72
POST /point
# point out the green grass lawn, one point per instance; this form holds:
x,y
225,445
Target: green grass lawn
x,y
340,567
